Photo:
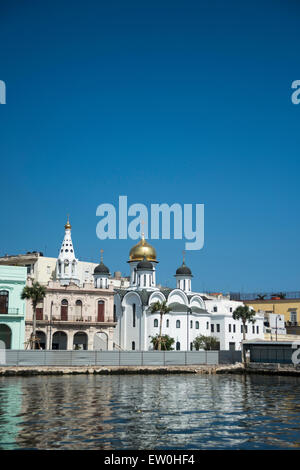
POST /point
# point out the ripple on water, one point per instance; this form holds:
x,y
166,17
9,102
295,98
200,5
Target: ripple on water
x,y
149,412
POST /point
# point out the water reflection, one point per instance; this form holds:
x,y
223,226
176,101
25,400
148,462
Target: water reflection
x,y
150,412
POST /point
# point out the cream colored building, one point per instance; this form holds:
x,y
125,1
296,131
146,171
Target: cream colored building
x,y
73,317
78,310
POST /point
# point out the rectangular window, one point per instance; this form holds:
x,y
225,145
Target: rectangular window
x,y
293,317
215,309
234,328
191,323
218,328
229,328
257,330
230,310
253,329
207,325
212,328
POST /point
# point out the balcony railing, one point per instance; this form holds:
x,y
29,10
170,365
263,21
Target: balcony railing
x,y
10,311
73,319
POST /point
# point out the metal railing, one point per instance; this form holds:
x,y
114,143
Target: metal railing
x,y
264,296
72,318
10,311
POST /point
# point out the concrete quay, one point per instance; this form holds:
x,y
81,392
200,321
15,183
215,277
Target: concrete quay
x,y
119,370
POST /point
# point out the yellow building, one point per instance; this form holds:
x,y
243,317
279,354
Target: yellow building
x,y
290,308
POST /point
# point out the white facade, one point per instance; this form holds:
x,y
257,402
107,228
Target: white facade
x,y
67,264
192,314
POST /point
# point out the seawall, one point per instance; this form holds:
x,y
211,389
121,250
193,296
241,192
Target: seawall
x,y
119,370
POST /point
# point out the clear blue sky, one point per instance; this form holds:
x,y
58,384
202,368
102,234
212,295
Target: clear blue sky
x,y
182,101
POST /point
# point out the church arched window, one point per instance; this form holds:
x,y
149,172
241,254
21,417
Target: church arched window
x,y
177,323
155,323
177,346
133,316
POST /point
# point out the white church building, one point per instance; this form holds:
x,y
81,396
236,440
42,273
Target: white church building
x,y
192,313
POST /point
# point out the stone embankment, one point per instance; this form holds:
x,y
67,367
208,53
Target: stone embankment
x,y
108,370
273,369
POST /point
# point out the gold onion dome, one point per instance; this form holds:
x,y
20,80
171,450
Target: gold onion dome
x,y
142,250
68,225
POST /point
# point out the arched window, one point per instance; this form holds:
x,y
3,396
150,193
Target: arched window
x,y
64,310
191,323
177,323
3,301
115,313
78,308
197,325
155,323
177,346
133,316
145,283
167,323
133,345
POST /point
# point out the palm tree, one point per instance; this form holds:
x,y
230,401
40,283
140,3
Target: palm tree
x,y
36,294
245,314
162,308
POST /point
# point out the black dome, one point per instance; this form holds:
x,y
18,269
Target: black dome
x,y
183,270
145,265
101,269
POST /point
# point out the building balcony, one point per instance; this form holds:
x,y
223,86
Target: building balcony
x,y
10,311
72,320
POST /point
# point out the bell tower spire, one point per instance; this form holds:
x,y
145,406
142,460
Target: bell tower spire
x,y
67,264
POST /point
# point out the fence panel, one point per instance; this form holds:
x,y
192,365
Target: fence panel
x,y
11,357
212,357
107,358
130,358
174,358
83,358
153,358
31,358
195,357
59,358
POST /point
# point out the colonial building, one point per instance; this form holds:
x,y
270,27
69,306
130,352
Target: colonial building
x,y
74,315
12,307
192,313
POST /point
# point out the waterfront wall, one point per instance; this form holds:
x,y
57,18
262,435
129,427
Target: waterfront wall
x,y
119,358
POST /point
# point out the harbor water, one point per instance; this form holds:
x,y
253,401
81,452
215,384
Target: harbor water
x,y
150,412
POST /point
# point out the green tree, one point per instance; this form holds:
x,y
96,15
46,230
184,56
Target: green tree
x,y
166,342
208,343
245,314
162,308
36,293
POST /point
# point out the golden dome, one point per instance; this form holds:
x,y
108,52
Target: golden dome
x,y
142,250
68,225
